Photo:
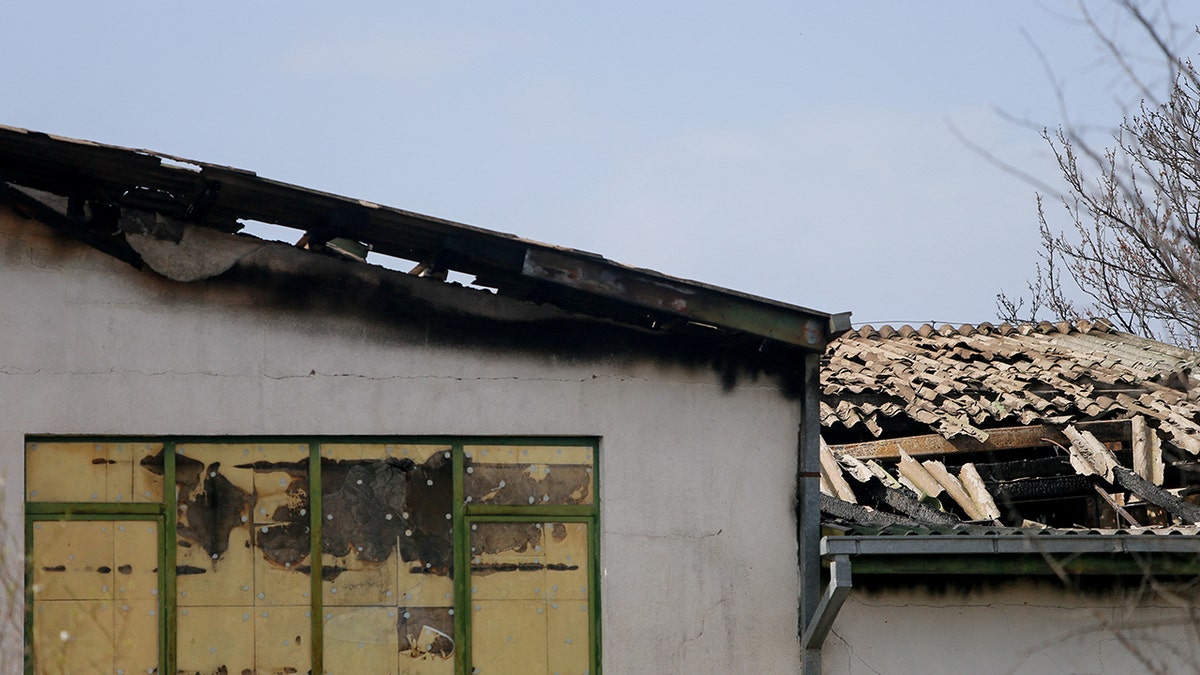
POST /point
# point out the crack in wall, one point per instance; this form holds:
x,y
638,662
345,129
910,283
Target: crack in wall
x,y
13,370
668,536
852,655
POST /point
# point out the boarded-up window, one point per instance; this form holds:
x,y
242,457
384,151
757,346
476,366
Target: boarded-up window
x,y
312,555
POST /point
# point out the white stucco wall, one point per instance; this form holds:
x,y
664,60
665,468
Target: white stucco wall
x,y
698,544
1020,627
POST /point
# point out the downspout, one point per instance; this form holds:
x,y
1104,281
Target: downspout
x,y
827,610
808,510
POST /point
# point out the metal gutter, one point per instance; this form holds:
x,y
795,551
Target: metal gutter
x,y
1009,544
921,548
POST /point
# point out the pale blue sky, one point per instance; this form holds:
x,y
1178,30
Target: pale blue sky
x,y
796,150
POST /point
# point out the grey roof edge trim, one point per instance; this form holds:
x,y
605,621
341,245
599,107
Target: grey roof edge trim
x,y
1009,544
736,311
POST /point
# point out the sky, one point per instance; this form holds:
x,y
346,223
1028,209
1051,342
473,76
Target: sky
x,y
807,152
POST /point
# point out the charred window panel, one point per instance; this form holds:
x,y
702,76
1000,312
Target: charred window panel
x,y
243,598
529,597
528,475
387,544
242,556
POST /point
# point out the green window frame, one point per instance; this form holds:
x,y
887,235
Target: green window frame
x,y
467,514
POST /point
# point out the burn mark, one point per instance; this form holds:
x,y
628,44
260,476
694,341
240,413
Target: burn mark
x,y
55,568
101,460
104,569
429,501
328,572
285,543
364,506
371,509
125,569
401,307
495,538
189,569
187,470
425,631
293,469
488,568
369,505
212,512
518,483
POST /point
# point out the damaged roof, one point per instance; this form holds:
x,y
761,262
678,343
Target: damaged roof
x,y
961,382
1008,431
103,182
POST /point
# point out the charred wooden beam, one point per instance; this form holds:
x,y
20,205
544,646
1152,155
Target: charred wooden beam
x,y
832,506
1092,458
903,502
1041,488
1185,511
1007,438
1047,467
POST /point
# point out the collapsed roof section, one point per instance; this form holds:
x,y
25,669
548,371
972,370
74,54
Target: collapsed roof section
x,y
961,382
114,194
1045,427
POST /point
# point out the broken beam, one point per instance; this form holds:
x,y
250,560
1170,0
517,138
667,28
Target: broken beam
x,y
1007,438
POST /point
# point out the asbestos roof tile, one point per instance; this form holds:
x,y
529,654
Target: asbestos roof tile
x,y
958,380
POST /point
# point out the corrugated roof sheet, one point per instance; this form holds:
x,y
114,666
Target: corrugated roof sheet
x,y
959,381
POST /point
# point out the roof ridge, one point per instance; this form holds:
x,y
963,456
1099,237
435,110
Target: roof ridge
x,y
1063,327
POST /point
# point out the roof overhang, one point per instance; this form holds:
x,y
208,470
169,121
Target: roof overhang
x,y
220,197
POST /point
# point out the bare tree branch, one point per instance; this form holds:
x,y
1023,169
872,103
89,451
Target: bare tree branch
x,y
1131,239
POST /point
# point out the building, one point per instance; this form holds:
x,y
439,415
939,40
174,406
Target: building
x,y
1009,499
232,455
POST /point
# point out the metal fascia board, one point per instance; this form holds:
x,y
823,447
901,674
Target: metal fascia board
x,y
791,325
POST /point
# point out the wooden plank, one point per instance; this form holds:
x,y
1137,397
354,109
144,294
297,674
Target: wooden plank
x,y
1185,511
1007,438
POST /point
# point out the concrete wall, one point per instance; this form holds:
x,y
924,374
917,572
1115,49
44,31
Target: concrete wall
x,y
698,547
1021,627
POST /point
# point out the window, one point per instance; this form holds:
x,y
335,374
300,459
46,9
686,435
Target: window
x,y
339,556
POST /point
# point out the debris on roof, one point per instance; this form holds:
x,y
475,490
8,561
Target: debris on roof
x,y
1055,427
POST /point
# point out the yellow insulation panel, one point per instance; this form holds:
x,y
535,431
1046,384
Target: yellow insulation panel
x,y
92,472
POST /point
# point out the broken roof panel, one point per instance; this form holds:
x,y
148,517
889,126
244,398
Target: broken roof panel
x,y
1068,426
963,381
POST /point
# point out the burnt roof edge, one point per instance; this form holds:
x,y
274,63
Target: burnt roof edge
x,y
218,196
